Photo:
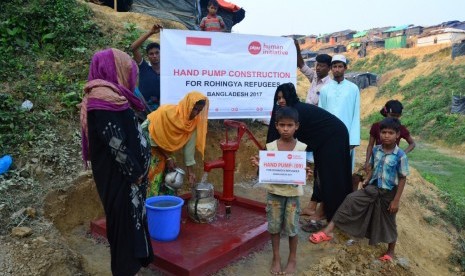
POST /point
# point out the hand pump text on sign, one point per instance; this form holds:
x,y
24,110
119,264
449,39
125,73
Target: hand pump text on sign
x,y
282,167
238,73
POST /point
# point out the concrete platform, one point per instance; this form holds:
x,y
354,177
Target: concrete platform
x,y
202,249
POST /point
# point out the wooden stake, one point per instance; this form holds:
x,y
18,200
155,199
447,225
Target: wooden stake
x,y
115,4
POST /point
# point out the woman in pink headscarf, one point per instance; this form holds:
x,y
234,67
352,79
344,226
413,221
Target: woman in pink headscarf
x,y
119,155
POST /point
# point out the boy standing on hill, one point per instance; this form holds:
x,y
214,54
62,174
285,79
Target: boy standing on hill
x,y
371,211
212,22
283,203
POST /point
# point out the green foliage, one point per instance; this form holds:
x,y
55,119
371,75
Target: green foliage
x,y
392,87
132,33
427,102
459,255
427,105
45,48
447,174
54,29
381,63
443,53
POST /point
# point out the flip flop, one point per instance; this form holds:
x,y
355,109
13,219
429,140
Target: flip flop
x,y
319,237
385,258
312,226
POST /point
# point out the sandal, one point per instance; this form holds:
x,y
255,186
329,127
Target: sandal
x,y
385,258
319,237
312,226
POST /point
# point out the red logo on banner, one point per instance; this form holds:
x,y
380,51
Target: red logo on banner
x,y
289,156
270,154
255,47
201,41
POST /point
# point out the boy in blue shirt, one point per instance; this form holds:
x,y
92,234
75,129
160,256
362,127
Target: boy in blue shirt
x,y
371,211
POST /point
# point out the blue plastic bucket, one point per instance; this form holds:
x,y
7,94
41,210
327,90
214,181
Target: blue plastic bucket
x,y
164,217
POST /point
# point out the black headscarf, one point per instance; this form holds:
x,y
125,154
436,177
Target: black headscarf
x,y
316,124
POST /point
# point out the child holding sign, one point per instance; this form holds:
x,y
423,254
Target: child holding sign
x,y
282,203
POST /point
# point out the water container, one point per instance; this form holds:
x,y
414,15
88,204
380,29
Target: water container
x,y
5,163
164,217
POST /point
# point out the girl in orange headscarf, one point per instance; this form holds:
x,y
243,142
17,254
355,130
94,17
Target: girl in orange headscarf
x,y
172,127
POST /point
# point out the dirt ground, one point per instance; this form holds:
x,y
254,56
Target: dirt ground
x,y
60,244
63,246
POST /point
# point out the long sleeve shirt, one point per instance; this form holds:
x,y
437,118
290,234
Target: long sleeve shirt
x,y
313,93
343,100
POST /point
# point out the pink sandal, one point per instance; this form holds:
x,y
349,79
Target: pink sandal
x,y
319,237
385,258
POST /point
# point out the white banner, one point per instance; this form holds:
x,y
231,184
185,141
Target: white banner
x,y
282,167
239,73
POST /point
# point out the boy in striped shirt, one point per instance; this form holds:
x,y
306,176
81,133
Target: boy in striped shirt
x,y
212,22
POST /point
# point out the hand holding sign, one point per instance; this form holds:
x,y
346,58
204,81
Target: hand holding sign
x,y
282,167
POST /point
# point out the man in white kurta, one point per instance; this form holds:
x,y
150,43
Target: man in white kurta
x,y
342,98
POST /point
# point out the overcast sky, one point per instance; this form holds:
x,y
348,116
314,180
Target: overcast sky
x,y
305,17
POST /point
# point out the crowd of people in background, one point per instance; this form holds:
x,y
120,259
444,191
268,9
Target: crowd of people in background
x,y
130,141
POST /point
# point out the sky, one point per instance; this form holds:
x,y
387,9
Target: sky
x,y
305,17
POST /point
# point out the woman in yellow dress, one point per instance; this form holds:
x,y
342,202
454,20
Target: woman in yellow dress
x,y
170,128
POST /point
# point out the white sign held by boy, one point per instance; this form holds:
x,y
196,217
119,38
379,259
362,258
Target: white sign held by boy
x,y
282,167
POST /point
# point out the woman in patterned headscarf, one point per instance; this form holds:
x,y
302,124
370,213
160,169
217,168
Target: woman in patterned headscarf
x,y
113,142
172,127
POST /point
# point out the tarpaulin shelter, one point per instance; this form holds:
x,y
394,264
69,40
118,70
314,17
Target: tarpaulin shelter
x,y
458,49
189,13
362,79
458,104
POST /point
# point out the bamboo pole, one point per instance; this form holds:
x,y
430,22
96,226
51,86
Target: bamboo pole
x,y
115,5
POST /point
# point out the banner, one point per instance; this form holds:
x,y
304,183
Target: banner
x,y
239,73
282,167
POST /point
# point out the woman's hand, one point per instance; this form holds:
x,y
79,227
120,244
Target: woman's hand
x,y
139,180
191,176
170,164
192,179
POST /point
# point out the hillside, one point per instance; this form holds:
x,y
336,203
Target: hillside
x,y
48,177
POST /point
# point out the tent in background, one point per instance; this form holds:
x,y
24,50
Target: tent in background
x,y
189,13
362,79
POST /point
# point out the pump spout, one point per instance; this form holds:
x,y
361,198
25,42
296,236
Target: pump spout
x,y
214,164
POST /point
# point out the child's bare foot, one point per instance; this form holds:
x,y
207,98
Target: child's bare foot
x,y
276,267
291,268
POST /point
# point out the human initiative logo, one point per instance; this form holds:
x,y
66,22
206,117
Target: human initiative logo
x,y
255,47
289,156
